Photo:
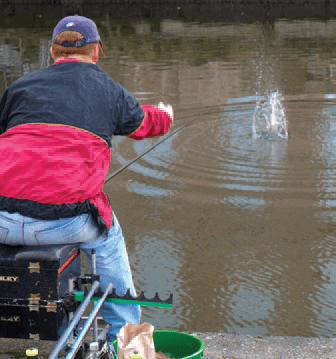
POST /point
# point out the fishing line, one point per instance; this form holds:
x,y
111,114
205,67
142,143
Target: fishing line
x,y
112,175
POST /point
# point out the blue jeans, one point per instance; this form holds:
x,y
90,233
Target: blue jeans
x,y
111,255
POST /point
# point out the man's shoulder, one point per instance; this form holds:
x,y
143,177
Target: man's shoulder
x,y
52,72
27,78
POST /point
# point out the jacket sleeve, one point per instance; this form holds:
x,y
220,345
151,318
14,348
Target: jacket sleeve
x,y
127,113
3,114
155,123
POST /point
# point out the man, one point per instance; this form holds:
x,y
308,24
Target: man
x,y
56,126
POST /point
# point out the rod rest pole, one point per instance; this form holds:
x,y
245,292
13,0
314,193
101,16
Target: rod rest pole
x,y
94,271
77,316
88,323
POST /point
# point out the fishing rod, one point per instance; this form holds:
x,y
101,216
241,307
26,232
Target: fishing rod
x,y
112,175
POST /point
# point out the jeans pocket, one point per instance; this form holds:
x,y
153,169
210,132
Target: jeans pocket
x,y
75,230
3,235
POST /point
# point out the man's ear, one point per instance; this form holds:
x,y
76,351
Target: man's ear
x,y
51,52
95,56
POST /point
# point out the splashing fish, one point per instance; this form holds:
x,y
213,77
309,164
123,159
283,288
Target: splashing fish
x,y
269,118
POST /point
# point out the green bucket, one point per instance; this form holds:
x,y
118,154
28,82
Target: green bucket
x,y
176,344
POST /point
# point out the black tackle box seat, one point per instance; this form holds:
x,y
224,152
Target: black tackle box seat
x,y
32,281
40,271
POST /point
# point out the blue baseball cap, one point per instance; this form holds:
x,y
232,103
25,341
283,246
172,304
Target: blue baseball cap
x,y
81,24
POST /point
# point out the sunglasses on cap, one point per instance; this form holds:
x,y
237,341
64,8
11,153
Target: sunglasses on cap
x,y
79,43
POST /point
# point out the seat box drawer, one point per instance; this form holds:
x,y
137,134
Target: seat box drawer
x,y
38,320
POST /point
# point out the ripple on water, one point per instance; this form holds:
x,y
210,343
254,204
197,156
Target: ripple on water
x,y
219,152
273,198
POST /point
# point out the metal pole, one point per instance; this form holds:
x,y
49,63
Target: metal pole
x,y
103,333
77,316
94,271
71,288
87,324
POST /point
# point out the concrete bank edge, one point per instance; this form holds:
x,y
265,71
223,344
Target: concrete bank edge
x,y
218,346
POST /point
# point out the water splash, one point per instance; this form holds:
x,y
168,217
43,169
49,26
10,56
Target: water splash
x,y
269,118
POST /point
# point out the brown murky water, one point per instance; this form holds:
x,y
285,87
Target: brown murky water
x,y
240,230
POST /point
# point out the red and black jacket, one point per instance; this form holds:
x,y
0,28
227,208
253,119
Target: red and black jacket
x,y
56,127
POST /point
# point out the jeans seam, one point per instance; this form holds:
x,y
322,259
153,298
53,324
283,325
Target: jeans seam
x,y
9,219
54,230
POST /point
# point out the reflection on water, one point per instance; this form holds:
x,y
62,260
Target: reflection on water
x,y
240,230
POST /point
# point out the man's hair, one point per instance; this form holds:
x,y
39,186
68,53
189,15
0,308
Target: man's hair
x,y
71,36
